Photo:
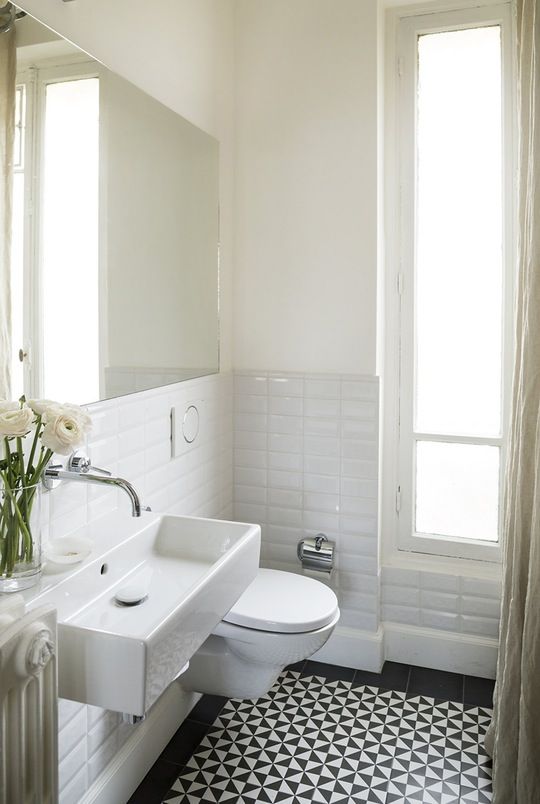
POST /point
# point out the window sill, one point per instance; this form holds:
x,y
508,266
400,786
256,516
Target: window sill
x,y
423,562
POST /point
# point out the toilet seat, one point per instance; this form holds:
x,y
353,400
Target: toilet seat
x,y
284,602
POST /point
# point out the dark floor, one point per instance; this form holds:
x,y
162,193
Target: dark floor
x,y
418,683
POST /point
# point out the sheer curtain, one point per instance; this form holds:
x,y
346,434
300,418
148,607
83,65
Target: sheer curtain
x,y
8,69
514,735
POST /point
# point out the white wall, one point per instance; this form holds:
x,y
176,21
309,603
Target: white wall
x,y
306,186
180,52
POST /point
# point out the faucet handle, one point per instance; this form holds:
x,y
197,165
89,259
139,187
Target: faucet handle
x,y
104,472
78,463
81,465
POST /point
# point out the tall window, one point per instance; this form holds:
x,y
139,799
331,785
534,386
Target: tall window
x,y
455,279
55,278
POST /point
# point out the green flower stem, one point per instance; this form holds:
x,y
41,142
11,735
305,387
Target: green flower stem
x,y
37,433
19,490
22,476
8,458
44,458
20,519
3,536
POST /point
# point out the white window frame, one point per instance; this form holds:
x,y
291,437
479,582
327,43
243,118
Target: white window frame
x,y
35,77
399,448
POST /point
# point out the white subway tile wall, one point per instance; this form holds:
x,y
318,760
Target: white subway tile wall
x,y
305,456
461,604
306,461
131,437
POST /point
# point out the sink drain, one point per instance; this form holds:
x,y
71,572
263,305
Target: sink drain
x,y
132,595
131,603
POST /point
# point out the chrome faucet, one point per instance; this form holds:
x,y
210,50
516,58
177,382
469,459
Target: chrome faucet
x,y
79,468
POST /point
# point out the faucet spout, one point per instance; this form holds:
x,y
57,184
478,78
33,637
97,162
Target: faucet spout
x,y
85,475
132,494
120,483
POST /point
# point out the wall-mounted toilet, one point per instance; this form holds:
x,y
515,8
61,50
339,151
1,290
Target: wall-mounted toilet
x,y
280,619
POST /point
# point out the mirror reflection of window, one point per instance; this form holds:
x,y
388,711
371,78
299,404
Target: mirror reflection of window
x,y
69,273
55,271
115,257
17,241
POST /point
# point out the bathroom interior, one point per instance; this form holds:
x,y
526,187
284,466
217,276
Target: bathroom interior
x,y
278,263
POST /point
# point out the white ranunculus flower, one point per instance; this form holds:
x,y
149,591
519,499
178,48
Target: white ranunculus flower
x,y
81,414
5,404
14,420
39,406
65,429
55,409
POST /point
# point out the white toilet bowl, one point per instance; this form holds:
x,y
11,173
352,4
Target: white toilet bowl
x,y
280,619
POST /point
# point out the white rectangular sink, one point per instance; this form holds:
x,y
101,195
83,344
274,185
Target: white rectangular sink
x,y
191,570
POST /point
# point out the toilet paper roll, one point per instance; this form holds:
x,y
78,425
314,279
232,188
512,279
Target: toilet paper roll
x,y
316,554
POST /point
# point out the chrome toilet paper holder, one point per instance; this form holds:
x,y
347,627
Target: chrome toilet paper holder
x,y
316,553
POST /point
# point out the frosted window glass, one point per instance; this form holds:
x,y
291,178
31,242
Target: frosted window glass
x,y
457,490
70,241
459,277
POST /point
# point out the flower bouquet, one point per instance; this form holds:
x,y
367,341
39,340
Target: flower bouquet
x,y
31,433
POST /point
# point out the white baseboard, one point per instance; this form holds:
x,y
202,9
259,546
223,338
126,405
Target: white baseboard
x,y
441,650
124,773
350,647
426,647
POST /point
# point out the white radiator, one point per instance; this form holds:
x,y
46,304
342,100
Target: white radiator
x,y
28,704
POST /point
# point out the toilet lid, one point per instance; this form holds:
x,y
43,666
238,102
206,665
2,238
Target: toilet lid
x,y
284,602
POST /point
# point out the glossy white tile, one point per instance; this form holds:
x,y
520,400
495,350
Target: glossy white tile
x,y
315,387
322,407
286,405
281,385
325,484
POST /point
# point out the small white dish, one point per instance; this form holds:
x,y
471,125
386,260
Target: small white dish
x,y
68,550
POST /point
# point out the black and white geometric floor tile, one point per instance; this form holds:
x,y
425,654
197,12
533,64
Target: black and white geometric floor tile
x,y
312,741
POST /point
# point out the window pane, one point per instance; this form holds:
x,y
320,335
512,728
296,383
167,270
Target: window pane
x,y
459,233
17,245
457,490
70,241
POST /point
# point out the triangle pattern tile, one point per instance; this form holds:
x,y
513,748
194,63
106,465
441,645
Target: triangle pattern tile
x,y
309,740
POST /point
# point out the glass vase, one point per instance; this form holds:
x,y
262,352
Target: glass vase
x,y
20,537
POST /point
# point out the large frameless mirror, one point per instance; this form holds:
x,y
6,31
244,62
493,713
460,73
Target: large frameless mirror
x,y
114,275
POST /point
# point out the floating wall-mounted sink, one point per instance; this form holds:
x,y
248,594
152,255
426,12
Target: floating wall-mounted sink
x,y
190,572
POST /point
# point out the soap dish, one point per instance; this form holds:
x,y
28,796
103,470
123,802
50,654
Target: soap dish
x,y
68,550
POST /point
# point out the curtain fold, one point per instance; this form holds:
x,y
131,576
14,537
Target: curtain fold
x,y
8,71
514,735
